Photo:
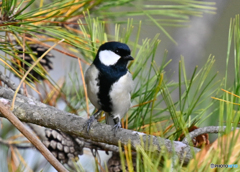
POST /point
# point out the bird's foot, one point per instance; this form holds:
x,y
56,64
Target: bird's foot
x,y
91,120
116,127
94,151
89,123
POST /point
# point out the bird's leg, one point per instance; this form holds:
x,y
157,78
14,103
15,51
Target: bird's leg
x,y
117,125
91,119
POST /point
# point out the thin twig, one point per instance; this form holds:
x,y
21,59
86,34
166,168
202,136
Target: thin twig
x,y
84,85
98,145
24,42
34,64
63,52
204,130
8,82
31,137
8,143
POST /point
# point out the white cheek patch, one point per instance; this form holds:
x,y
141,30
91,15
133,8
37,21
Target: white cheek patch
x,y
108,57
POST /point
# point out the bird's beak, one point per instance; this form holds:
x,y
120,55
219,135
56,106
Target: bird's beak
x,y
129,57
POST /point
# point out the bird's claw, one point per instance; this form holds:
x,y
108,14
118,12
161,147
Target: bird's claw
x,y
94,151
116,127
89,123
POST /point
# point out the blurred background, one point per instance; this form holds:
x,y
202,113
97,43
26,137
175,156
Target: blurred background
x,y
201,37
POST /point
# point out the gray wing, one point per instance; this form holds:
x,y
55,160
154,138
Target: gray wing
x,y
91,78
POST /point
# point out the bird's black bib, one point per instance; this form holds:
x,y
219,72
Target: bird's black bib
x,y
106,78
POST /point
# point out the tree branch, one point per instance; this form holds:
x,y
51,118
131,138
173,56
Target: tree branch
x,y
31,111
9,83
5,111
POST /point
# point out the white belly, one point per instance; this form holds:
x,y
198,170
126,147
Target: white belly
x,y
121,95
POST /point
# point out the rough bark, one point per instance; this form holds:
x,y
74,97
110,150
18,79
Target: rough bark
x,y
32,111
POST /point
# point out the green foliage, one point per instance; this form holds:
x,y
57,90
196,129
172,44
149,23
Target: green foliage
x,y
147,114
153,111
231,107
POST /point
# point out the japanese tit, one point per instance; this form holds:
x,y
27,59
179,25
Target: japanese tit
x,y
109,83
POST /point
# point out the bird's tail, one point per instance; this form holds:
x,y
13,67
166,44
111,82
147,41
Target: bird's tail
x,y
109,119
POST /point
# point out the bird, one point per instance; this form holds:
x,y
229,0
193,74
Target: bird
x,y
109,83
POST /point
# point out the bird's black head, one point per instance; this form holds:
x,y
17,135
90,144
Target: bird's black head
x,y
113,54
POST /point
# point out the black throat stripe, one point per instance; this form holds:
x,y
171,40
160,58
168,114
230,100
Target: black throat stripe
x,y
108,75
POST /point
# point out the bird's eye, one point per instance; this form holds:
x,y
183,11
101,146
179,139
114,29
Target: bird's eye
x,y
116,51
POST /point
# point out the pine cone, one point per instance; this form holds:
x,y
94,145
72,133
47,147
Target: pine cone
x,y
38,51
114,163
63,146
